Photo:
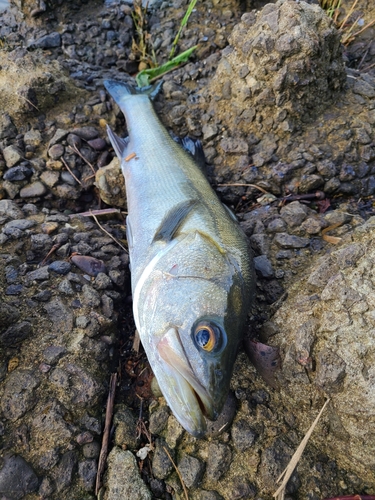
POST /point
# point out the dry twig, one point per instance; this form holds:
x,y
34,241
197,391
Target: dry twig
x,y
107,428
109,234
239,184
178,473
285,475
70,171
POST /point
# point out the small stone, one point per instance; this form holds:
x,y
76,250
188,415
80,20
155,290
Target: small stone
x,y
191,470
19,224
311,225
48,41
161,463
59,135
159,419
50,178
56,151
276,226
33,138
263,266
219,459
49,227
174,432
84,438
19,173
91,450
294,213
33,190
10,209
19,394
260,243
60,315
90,297
53,353
86,133
238,146
102,281
74,141
286,240
98,144
123,479
7,128
63,472
44,368
14,290
17,478
12,155
65,287
60,267
87,470
41,243
243,435
208,495
43,296
125,427
40,274
16,333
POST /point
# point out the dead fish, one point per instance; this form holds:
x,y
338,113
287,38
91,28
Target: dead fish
x,y
191,270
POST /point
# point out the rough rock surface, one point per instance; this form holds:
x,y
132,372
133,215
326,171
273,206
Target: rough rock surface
x,y
328,349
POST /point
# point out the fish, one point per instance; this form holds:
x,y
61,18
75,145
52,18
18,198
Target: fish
x,y
191,268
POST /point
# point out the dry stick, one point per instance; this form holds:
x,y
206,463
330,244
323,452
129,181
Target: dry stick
x,y
109,234
27,100
239,184
107,428
178,473
69,170
363,29
83,158
348,15
103,211
285,475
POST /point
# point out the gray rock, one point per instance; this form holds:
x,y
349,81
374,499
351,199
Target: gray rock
x,y
161,463
10,209
263,266
125,425
33,138
276,226
49,41
86,133
17,478
123,479
14,290
56,151
40,274
19,224
191,470
43,296
294,213
90,297
91,450
218,462
286,240
50,177
174,432
16,333
243,435
87,470
61,316
63,472
7,128
12,155
59,135
65,287
260,243
8,315
60,267
159,419
33,190
18,173
19,393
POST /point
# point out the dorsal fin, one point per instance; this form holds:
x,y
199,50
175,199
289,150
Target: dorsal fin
x,y
173,220
194,148
119,144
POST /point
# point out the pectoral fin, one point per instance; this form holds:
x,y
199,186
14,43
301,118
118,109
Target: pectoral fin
x,y
119,144
173,220
194,148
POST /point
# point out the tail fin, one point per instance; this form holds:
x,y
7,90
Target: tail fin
x,y
119,90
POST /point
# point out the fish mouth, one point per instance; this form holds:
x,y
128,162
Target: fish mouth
x,y
188,399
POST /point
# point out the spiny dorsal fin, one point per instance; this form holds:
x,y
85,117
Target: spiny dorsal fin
x,y
194,148
119,144
173,220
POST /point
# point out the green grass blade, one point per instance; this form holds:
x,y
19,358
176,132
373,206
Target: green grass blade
x,y
144,77
182,25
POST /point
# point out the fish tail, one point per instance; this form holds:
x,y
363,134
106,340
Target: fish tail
x,y
121,90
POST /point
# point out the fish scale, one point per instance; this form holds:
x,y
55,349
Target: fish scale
x,y
192,274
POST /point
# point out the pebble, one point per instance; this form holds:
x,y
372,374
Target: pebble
x,y
63,472
56,151
33,138
60,315
125,425
86,133
18,173
159,419
33,190
53,353
16,333
286,240
218,462
12,155
161,463
21,224
10,209
294,213
17,478
243,435
19,394
58,136
48,41
91,450
87,470
263,266
191,470
123,479
60,267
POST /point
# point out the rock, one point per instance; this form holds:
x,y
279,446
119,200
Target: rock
x,y
286,240
334,343
243,435
61,317
159,419
63,472
86,133
91,450
48,41
19,224
10,209
60,267
123,480
33,190
263,266
59,135
16,333
191,470
19,394
56,151
17,478
12,155
219,459
294,213
161,463
110,182
174,432
8,315
18,173
40,274
125,428
87,470
33,138
7,128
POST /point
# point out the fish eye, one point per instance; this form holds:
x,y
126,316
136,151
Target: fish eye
x,y
206,336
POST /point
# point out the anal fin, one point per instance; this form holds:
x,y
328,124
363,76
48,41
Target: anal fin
x,y
118,144
173,220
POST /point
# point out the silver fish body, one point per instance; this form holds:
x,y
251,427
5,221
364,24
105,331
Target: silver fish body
x,y
191,271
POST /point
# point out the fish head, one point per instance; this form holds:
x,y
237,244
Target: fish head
x,y
190,317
